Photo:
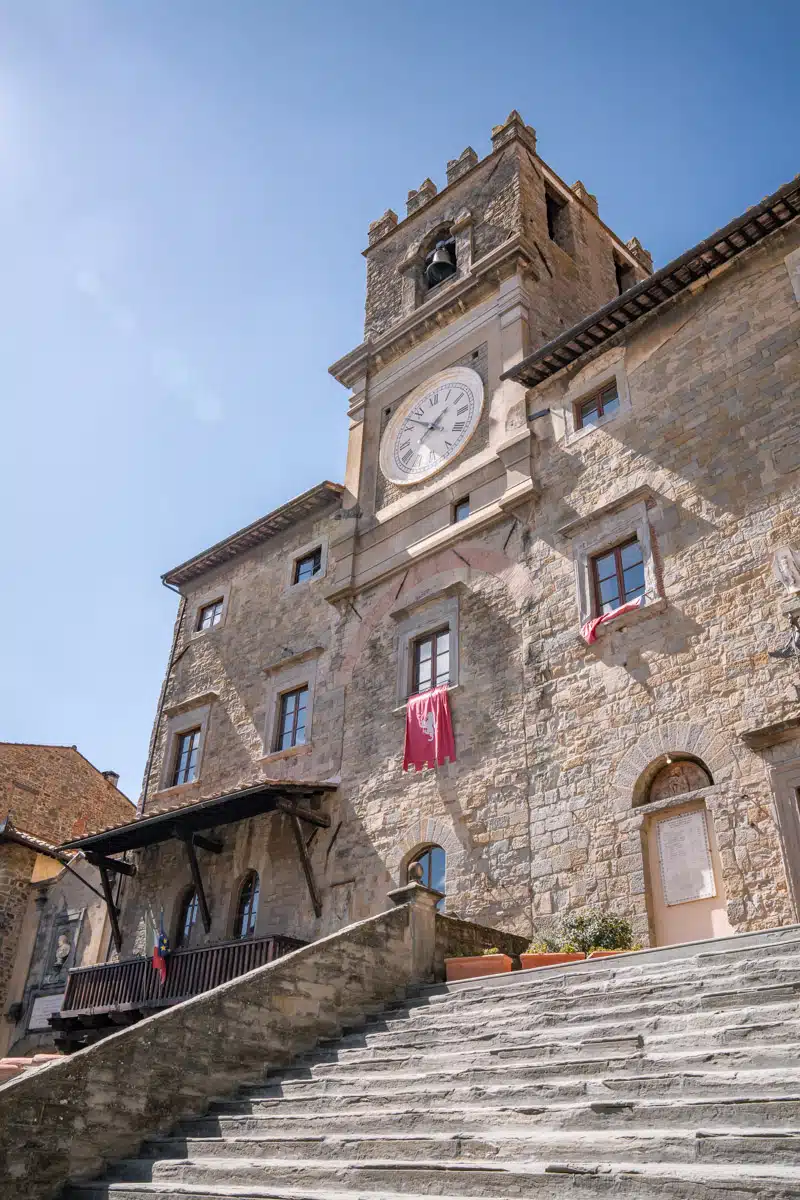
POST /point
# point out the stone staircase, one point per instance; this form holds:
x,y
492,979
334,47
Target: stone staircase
x,y
669,1073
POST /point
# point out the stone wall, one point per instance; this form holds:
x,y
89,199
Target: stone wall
x,y
47,789
455,938
16,863
71,1117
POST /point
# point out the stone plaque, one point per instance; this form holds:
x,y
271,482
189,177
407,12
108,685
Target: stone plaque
x,y
786,568
684,855
43,1008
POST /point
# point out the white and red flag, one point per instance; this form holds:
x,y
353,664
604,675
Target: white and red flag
x,y
589,628
429,730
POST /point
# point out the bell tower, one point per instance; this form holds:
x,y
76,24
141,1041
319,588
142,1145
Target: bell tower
x,y
473,278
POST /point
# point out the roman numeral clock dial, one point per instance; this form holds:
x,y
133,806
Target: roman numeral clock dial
x,y
432,426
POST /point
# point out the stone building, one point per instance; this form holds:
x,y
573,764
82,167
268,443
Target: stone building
x,y
50,921
597,437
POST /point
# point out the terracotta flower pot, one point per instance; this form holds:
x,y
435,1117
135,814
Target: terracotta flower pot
x,y
606,953
550,960
475,966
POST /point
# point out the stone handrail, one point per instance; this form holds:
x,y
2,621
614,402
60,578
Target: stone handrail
x,y
68,1119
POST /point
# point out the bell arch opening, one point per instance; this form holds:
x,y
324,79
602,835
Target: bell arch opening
x,y
439,258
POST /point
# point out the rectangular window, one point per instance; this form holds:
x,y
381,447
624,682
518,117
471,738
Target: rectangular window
x,y
210,614
292,719
554,208
308,566
601,404
618,576
186,756
625,275
431,667
461,510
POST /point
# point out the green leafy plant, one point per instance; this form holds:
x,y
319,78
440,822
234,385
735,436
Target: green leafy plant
x,y
592,930
491,950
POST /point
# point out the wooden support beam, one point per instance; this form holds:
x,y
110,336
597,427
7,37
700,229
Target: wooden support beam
x,y
111,864
308,869
305,814
113,914
197,878
212,845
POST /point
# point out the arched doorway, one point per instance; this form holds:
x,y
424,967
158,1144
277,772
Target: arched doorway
x,y
686,893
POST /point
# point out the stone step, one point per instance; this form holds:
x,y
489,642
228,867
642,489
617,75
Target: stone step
x,y
626,1086
578,989
549,1059
570,1009
593,1043
781,1146
303,1179
779,1110
700,1012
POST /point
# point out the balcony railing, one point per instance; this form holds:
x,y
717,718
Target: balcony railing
x,y
114,994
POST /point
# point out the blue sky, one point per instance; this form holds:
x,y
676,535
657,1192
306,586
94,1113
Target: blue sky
x,y
185,189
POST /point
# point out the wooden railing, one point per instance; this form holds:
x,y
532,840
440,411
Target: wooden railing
x,y
133,984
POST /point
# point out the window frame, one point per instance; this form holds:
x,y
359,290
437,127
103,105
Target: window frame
x,y
619,574
283,677
315,558
457,504
612,525
300,690
189,902
218,607
298,555
596,398
250,907
429,617
203,601
181,719
416,660
195,733
594,379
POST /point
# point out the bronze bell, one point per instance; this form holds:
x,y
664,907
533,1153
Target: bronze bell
x,y
441,266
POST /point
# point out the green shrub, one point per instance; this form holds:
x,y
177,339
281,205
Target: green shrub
x,y
593,930
491,950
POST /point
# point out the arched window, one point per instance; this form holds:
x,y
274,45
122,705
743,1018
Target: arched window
x,y
432,861
247,909
440,260
187,917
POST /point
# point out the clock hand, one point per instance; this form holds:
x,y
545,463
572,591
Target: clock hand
x,y
435,425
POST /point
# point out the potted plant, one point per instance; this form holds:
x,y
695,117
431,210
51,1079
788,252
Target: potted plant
x,y
599,934
474,966
550,953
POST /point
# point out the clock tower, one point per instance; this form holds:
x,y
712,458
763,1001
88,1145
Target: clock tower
x,y
475,277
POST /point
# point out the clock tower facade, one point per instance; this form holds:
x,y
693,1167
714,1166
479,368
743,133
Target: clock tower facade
x,y
522,257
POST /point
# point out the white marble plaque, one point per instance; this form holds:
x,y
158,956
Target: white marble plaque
x,y
43,1008
684,855
786,568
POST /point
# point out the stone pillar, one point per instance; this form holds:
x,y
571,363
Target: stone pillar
x,y
422,901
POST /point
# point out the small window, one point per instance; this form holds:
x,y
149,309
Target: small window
x,y
247,908
440,262
603,404
187,752
292,719
558,228
461,510
210,614
618,576
431,661
187,918
433,862
308,566
624,274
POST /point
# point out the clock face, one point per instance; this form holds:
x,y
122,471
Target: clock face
x,y
432,425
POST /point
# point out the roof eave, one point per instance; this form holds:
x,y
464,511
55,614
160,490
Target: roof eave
x,y
746,231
